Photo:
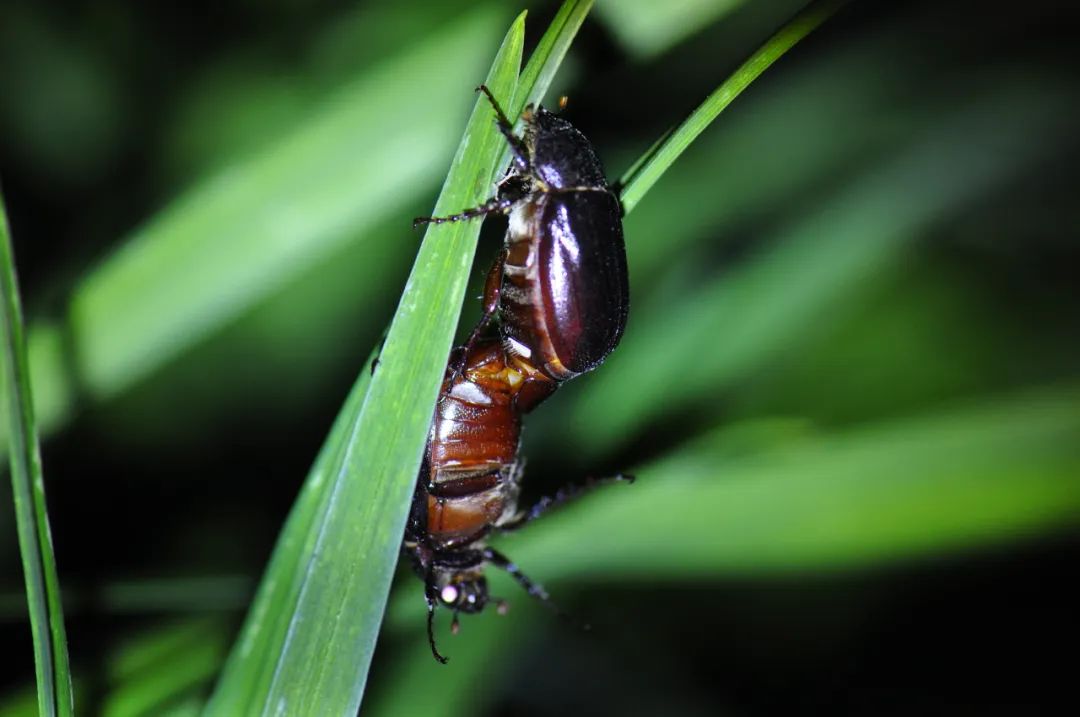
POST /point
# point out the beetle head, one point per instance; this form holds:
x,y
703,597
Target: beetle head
x,y
561,156
467,593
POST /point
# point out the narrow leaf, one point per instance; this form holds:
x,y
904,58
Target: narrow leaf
x,y
28,488
645,173
316,641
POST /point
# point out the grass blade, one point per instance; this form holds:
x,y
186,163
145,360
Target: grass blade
x,y
307,646
637,181
28,488
549,53
544,62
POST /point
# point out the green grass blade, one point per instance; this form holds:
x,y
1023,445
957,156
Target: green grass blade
x,y
308,651
637,181
549,53
28,488
544,61
249,668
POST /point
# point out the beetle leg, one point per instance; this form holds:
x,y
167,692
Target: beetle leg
x,y
501,561
491,206
492,292
506,127
562,496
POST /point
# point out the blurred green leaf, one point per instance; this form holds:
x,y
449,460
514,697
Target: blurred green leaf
x,y
45,352
28,489
448,689
648,28
156,673
255,94
235,237
22,703
926,485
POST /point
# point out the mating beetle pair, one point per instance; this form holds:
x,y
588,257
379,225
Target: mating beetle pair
x,y
560,295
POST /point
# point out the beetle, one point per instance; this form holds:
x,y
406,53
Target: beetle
x,y
469,479
559,286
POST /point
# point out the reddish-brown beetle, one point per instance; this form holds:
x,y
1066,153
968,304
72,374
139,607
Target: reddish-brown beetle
x,y
470,478
468,483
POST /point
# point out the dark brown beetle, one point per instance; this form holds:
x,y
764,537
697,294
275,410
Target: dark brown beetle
x,y
468,483
559,286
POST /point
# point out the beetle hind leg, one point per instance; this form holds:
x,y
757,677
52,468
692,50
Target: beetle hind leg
x,y
564,495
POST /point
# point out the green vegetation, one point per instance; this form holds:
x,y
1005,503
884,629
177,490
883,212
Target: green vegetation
x,y
849,350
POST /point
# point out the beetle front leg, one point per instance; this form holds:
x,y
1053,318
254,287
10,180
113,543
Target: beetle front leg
x,y
492,206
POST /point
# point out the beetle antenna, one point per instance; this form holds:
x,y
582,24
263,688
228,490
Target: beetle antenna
x,y
503,120
506,127
431,630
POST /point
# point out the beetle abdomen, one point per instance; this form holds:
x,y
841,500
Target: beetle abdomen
x,y
475,503
565,293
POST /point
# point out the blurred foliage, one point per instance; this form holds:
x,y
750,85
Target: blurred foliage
x,y
849,378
